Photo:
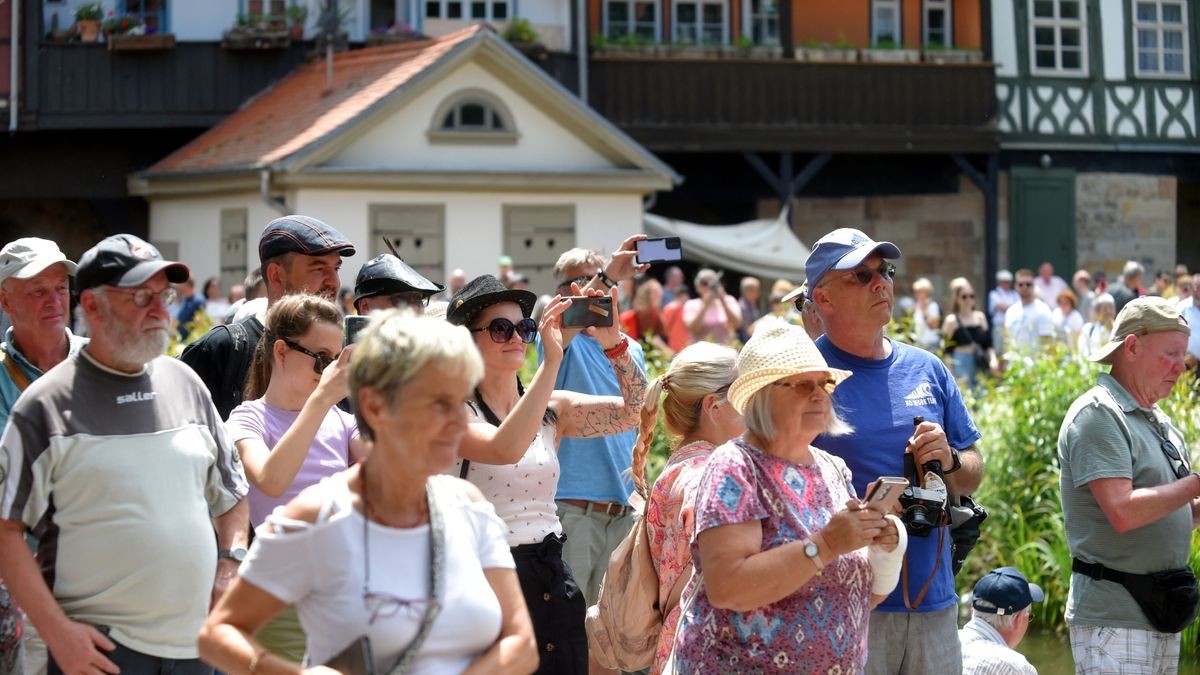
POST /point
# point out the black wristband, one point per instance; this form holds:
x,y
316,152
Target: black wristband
x,y
604,279
956,462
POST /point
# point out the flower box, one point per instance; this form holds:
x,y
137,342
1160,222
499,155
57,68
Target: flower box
x,y
377,39
123,43
243,39
826,55
891,56
955,56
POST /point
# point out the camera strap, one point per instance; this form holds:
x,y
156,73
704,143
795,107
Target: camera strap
x,y
912,606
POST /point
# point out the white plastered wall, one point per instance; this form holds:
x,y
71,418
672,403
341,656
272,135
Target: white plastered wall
x,y
1112,29
194,224
400,142
1004,38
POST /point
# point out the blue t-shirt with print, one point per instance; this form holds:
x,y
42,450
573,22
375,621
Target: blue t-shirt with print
x,y
595,469
880,402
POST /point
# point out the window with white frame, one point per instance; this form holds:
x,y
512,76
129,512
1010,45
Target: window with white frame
x,y
936,23
472,116
631,18
764,21
700,22
1160,37
482,10
885,22
1058,30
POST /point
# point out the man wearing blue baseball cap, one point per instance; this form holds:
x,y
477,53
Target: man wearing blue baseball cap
x,y
850,280
299,254
1001,609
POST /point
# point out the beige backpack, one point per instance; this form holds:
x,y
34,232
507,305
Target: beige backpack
x,y
624,624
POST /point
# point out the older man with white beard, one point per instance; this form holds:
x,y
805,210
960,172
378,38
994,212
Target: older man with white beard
x,y
118,464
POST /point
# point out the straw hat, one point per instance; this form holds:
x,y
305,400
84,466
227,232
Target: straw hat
x,y
775,351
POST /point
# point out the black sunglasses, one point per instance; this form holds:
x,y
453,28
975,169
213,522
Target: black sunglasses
x,y
501,330
1177,462
864,275
320,363
583,280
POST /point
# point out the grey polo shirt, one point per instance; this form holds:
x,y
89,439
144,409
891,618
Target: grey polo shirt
x,y
1106,434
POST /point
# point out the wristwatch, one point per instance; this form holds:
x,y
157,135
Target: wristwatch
x,y
235,554
814,553
955,462
605,279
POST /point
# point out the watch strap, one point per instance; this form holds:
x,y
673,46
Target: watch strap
x,y
605,279
956,462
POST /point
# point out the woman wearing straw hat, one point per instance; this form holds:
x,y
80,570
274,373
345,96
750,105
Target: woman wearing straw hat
x,y
510,449
784,582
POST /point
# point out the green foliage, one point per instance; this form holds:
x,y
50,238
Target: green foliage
x,y
884,43
521,31
89,11
842,42
198,326
297,14
935,46
744,42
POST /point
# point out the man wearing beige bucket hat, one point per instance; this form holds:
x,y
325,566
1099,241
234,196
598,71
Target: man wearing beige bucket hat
x,y
1129,496
850,276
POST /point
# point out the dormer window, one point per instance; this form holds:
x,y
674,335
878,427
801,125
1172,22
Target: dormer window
x,y
473,116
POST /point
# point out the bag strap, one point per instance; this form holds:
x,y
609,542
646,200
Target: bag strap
x,y
437,556
1099,572
14,371
912,606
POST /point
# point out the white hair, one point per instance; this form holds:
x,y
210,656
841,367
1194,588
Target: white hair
x,y
997,621
1133,269
760,423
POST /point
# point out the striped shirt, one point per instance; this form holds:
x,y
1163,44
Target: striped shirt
x,y
985,652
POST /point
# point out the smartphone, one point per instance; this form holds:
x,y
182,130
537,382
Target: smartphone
x,y
588,311
885,493
661,249
352,326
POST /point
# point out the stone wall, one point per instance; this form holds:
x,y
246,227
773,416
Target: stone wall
x,y
1122,217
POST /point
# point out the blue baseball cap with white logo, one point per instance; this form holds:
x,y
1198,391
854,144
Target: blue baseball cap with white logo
x,y
844,249
1007,590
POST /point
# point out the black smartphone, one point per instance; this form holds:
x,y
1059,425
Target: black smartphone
x,y
661,249
353,325
588,311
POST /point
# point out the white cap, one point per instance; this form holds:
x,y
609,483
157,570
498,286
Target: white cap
x,y
27,257
1004,275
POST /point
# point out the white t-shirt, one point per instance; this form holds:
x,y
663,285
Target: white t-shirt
x,y
319,567
1192,315
928,338
1027,324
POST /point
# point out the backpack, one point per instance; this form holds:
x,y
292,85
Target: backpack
x,y
624,624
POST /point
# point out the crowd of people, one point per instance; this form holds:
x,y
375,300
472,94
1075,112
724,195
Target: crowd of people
x,y
289,495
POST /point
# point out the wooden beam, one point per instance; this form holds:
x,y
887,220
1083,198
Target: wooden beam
x,y
811,169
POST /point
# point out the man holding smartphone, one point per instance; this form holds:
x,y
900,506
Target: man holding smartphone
x,y
915,630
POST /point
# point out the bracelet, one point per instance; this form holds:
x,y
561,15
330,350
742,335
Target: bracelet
x,y
256,659
620,348
605,279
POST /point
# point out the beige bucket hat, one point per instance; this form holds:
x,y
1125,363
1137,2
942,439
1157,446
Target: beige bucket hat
x,y
775,351
1141,316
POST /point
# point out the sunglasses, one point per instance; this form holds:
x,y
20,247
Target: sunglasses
x,y
807,387
1177,463
1021,284
863,275
142,297
501,330
385,606
411,299
320,362
583,280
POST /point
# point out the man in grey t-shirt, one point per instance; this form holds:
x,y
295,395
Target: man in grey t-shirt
x,y
1129,496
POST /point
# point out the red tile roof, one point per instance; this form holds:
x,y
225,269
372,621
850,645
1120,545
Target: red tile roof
x,y
296,111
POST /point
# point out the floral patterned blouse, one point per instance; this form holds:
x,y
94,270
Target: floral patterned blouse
x,y
822,627
670,525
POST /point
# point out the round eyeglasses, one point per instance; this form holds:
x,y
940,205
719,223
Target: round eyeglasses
x,y
142,297
501,330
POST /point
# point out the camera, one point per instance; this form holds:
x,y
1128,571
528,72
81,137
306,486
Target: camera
x,y
922,509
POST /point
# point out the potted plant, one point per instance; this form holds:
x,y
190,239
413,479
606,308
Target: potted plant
x,y
331,17
130,33
936,52
886,50
297,16
87,21
520,34
253,31
393,34
842,51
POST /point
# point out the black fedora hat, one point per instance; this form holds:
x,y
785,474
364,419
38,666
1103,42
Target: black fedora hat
x,y
483,292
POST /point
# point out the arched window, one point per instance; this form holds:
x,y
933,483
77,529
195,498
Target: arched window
x,y
473,116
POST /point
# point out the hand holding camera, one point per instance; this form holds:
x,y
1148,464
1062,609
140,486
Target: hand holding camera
x,y
923,503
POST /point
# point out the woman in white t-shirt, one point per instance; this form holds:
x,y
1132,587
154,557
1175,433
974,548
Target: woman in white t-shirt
x,y
511,447
389,550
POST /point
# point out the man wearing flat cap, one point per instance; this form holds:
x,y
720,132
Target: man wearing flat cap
x,y
1001,609
299,254
116,462
1129,496
386,282
850,276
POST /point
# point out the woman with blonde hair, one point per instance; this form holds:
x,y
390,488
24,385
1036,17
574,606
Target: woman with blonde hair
x,y
968,340
698,418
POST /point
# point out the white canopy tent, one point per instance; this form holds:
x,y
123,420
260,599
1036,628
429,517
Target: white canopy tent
x,y
765,248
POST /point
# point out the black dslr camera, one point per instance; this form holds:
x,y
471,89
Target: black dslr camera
x,y
922,510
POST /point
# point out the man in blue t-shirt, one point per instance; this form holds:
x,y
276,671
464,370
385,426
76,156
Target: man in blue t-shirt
x,y
915,629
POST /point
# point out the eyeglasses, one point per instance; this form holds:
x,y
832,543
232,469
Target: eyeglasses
x,y
798,301
807,387
501,330
142,297
413,299
1181,468
863,275
582,280
1024,283
967,296
320,363
385,606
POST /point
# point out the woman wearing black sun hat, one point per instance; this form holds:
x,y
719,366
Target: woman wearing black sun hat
x,y
510,448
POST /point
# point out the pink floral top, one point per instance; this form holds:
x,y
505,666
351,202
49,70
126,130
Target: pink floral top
x,y
670,526
822,627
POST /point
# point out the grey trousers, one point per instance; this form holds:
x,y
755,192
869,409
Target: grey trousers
x,y
907,643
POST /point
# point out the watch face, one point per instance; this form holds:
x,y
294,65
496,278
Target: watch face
x,y
238,554
811,550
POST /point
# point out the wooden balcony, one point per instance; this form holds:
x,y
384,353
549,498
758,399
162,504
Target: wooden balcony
x,y
195,84
778,105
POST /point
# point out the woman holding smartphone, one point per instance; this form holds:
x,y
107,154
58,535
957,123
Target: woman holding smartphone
x,y
510,450
289,431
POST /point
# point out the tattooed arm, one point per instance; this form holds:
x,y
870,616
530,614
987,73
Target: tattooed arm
x,y
586,416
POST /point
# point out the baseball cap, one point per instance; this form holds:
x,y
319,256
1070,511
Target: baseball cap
x,y
125,260
844,249
27,257
303,235
1142,316
1004,275
385,273
505,261
1008,590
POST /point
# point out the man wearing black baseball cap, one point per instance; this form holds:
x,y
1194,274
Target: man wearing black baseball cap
x,y
299,254
1000,614
118,464
387,281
